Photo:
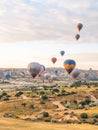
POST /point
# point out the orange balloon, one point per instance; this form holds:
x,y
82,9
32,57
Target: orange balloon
x,y
53,59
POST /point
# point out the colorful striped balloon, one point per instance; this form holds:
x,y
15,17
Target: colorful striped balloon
x,y
69,65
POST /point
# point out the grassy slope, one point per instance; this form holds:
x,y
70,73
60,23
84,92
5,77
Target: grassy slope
x,y
14,106
14,124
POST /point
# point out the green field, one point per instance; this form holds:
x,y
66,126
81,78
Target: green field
x,y
15,124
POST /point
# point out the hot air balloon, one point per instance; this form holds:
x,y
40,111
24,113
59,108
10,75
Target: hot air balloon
x,y
79,26
34,68
47,75
56,71
75,73
77,36
62,53
69,65
53,59
42,69
7,75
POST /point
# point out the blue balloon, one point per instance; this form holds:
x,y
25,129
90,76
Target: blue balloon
x,y
56,71
62,53
7,75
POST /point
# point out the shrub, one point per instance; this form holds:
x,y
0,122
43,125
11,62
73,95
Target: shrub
x,y
55,106
84,115
93,121
42,92
45,114
8,115
18,94
95,116
23,104
44,97
31,106
68,121
42,102
86,107
67,105
82,103
80,106
4,94
47,120
33,96
6,98
55,90
87,101
54,120
0,96
63,91
75,101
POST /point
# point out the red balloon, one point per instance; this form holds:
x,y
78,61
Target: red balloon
x,y
53,59
75,73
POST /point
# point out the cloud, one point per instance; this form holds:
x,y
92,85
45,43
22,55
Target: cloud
x,y
27,20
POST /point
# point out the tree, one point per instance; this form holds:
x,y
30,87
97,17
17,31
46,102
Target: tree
x,y
18,94
84,115
4,94
42,92
31,106
44,97
45,114
23,104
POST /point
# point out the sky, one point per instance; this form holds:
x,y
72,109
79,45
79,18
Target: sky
x,y
37,30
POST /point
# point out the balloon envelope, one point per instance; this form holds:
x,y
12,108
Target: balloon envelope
x,y
47,75
69,65
77,36
79,26
62,53
56,71
53,59
75,73
42,69
34,69
7,75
